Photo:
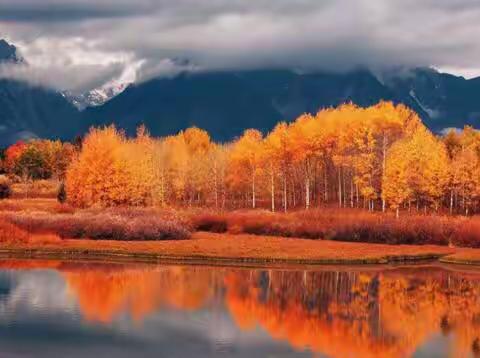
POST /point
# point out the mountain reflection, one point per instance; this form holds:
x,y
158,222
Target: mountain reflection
x,y
343,312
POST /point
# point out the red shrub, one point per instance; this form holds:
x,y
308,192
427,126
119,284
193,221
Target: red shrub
x,y
10,233
107,225
467,233
342,225
210,222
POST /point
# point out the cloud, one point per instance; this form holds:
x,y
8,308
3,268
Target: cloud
x,y
76,80
66,11
333,35
72,64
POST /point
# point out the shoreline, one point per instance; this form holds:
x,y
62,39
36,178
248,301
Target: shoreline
x,y
242,249
80,254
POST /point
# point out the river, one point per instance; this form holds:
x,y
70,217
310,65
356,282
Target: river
x,y
79,309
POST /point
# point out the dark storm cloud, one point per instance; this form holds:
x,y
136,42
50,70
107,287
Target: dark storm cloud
x,y
223,34
75,10
58,11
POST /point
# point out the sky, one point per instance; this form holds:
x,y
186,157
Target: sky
x,y
78,45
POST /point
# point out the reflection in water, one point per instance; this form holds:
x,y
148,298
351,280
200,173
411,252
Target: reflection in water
x,y
389,312
104,292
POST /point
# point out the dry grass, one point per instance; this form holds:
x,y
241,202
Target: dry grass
x,y
11,234
233,248
38,204
37,189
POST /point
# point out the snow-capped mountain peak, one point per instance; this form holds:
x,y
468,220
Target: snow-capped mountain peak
x,y
107,91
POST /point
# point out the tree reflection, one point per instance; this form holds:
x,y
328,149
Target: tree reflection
x,y
389,313
103,293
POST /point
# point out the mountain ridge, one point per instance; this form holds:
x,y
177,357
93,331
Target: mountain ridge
x,y
227,102
28,111
283,95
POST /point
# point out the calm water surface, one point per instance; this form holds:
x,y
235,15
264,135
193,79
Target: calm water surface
x,y
67,309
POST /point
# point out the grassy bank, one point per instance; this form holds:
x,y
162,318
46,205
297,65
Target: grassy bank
x,y
208,247
346,225
34,217
43,228
464,256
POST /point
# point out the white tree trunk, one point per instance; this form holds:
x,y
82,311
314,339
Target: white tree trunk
x,y
307,192
254,202
384,166
272,188
339,187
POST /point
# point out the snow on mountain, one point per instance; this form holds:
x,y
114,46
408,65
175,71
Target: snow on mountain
x,y
97,96
107,91
431,112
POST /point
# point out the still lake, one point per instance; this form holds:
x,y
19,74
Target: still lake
x,y
75,309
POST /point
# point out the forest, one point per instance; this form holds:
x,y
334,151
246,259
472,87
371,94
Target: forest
x,y
380,158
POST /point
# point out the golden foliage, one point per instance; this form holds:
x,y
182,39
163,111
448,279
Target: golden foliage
x,y
352,156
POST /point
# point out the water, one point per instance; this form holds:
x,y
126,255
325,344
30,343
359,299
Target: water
x,y
68,309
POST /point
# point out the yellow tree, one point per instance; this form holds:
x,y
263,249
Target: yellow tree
x,y
306,134
364,160
100,174
245,156
464,152
417,168
198,145
432,155
396,188
161,153
390,123
178,166
217,158
338,133
271,163
279,154
139,155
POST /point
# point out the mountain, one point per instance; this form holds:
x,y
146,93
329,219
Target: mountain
x,y
8,53
225,103
27,111
443,100
95,97
105,92
100,95
222,103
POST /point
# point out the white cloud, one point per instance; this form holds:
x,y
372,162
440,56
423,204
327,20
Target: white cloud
x,y
86,37
69,64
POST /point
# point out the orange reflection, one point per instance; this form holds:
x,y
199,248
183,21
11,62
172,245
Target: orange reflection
x,y
345,314
18,264
389,313
103,293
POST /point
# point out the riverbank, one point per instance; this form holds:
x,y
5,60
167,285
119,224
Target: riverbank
x,y
226,248
42,228
153,223
463,256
